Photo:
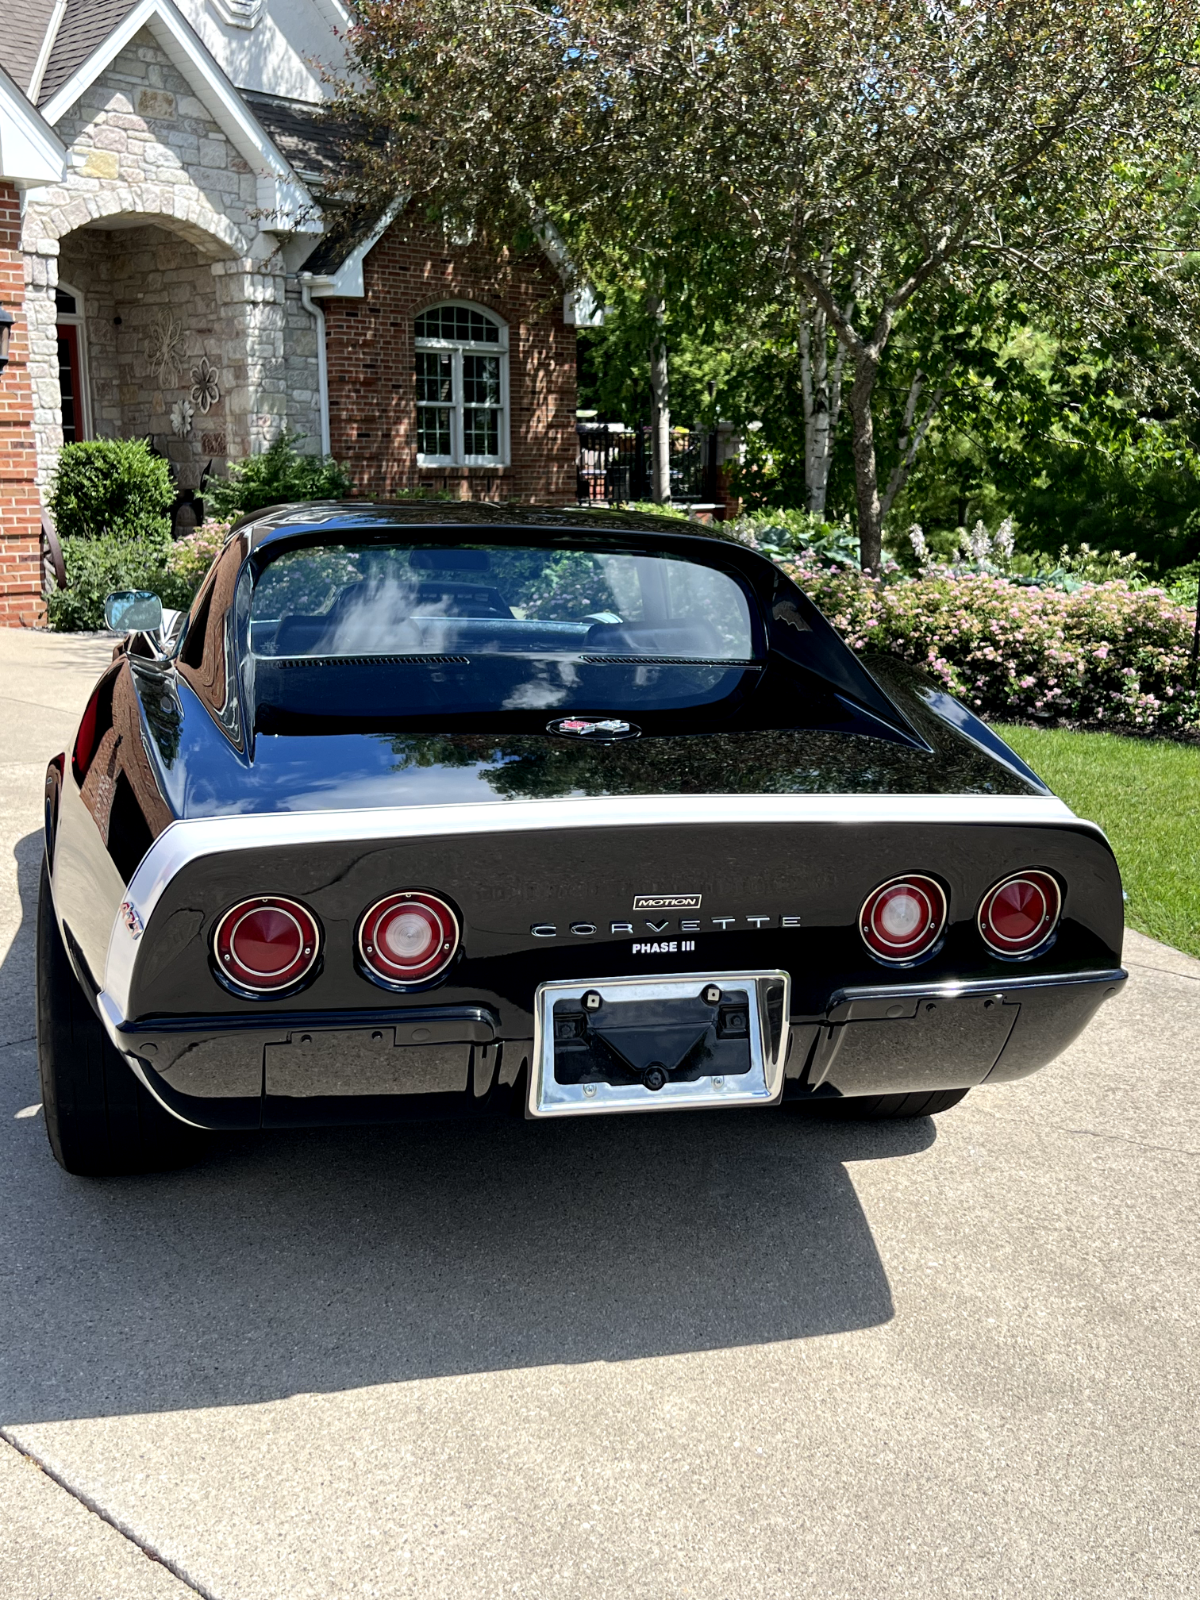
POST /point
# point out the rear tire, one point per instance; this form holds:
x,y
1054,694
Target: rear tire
x,y
881,1107
99,1118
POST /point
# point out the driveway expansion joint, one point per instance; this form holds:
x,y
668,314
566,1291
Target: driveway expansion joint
x,y
1138,1144
97,1510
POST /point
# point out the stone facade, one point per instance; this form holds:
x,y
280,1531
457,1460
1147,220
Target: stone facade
x,y
156,225
20,522
372,391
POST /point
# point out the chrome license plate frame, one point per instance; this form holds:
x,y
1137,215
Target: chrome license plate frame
x,y
761,1086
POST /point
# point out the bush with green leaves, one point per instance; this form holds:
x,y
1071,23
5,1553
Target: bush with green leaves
x,y
652,508
277,475
782,534
173,570
111,488
992,555
95,567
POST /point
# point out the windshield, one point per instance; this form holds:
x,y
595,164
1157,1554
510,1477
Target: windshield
x,y
495,627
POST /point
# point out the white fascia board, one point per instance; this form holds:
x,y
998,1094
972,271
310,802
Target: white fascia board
x,y
580,309
284,194
336,13
347,282
31,153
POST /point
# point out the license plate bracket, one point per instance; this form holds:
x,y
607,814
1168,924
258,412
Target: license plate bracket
x,y
659,1043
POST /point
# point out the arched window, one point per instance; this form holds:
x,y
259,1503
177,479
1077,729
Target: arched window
x,y
462,387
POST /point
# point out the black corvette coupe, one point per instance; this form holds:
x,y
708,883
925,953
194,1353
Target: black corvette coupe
x,y
458,810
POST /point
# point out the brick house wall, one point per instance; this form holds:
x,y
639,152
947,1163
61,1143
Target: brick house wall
x,y
20,507
372,388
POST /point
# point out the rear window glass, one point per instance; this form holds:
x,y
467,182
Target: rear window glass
x,y
507,627
339,600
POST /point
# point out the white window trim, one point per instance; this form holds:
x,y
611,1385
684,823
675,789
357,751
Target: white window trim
x,y
457,349
77,319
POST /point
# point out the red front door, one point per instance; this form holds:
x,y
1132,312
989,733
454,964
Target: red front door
x,y
69,382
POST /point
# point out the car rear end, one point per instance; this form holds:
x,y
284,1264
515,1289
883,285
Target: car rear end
x,y
604,955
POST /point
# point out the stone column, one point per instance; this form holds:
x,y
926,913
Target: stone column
x,y
251,293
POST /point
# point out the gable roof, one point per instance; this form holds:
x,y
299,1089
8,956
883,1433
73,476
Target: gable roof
x,y
315,141
30,152
86,48
25,25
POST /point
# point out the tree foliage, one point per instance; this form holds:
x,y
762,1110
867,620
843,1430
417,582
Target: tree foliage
x,y
852,168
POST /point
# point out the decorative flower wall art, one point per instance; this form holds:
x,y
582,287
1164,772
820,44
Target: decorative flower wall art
x,y
205,388
182,413
166,348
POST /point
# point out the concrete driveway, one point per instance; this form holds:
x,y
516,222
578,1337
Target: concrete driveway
x,y
711,1356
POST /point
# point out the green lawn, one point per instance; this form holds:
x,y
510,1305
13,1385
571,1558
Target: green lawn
x,y
1145,794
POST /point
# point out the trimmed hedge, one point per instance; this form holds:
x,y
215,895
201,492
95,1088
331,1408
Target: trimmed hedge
x,y
111,488
1105,653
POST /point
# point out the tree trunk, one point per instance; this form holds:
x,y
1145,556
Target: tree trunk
x,y
835,411
912,436
822,434
660,409
866,480
822,387
806,396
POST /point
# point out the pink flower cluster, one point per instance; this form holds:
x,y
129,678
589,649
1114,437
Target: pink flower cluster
x,y
1106,653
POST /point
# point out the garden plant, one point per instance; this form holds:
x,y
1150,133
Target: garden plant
x,y
112,501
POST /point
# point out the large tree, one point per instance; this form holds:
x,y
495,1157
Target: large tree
x,y
863,162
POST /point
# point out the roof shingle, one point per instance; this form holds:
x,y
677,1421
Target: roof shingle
x,y
25,23
85,26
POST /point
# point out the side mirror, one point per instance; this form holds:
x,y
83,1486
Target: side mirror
x,y
133,611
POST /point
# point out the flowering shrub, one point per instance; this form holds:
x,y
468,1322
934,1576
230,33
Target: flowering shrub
x,y
189,559
993,555
1102,653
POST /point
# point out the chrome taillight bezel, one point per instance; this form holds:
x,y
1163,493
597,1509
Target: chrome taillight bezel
x,y
382,969
250,982
917,949
1048,886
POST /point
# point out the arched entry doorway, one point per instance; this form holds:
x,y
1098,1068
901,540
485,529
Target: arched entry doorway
x,y
137,314
71,329
161,343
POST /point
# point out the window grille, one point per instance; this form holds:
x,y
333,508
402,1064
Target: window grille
x,y
462,387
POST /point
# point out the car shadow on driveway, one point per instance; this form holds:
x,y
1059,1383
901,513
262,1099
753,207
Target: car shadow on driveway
x,y
331,1259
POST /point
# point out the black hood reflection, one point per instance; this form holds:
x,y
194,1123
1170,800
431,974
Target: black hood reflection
x,y
543,767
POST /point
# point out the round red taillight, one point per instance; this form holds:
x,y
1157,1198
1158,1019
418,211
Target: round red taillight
x,y
266,944
1019,915
407,938
903,919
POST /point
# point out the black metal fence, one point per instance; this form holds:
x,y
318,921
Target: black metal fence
x,y
615,466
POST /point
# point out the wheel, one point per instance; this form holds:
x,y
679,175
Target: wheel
x,y
881,1107
99,1118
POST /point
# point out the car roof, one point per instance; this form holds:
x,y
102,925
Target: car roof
x,y
346,516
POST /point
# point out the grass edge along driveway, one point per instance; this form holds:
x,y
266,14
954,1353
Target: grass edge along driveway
x,y
1145,794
